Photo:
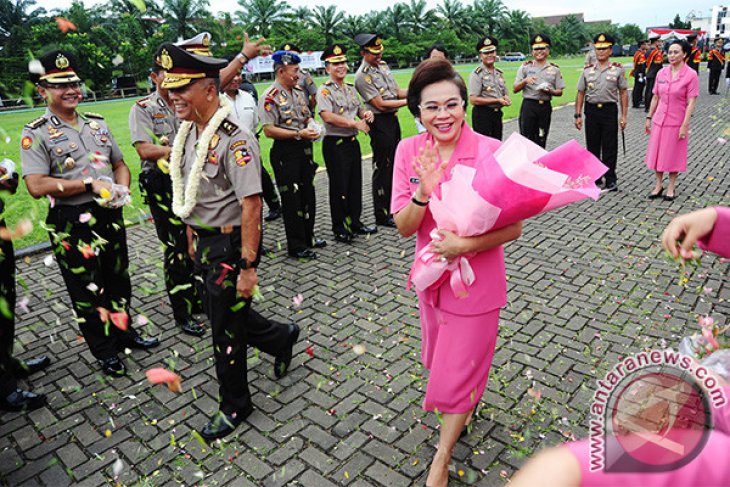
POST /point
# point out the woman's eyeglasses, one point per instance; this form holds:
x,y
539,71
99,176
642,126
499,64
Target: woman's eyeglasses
x,y
435,108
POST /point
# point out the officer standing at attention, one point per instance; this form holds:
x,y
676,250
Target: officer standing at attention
x,y
540,81
487,92
715,64
285,115
338,107
653,64
695,56
13,398
73,159
639,74
216,181
306,83
378,88
153,125
602,86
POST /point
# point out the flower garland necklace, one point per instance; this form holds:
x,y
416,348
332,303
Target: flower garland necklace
x,y
185,199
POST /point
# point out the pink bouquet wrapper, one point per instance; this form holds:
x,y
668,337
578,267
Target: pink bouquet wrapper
x,y
519,181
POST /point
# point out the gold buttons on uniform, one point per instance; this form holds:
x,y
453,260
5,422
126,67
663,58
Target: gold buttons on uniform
x,y
69,163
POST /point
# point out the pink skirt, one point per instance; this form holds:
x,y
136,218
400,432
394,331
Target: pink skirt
x,y
458,352
666,152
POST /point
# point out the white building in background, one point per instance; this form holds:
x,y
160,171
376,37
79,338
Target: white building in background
x,y
720,22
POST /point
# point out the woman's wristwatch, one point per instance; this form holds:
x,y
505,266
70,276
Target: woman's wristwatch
x,y
242,58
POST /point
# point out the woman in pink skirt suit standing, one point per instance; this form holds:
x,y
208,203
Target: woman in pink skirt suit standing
x,y
458,335
675,93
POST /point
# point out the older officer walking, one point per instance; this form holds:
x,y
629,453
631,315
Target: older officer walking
x,y
153,125
338,107
73,159
216,181
602,86
541,81
285,115
487,91
383,97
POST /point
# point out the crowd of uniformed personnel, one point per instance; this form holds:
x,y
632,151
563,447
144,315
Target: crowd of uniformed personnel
x,y
202,178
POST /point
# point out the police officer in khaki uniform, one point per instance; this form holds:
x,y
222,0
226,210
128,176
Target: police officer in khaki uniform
x,y
487,91
73,159
602,87
339,106
541,81
285,115
215,168
306,82
378,88
153,125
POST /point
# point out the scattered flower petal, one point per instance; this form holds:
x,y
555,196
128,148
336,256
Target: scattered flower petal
x,y
85,217
297,300
164,376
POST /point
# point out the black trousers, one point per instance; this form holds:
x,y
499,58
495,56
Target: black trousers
x,y
233,323
637,95
714,80
294,168
602,135
177,266
98,279
269,192
384,138
343,160
648,95
8,364
535,120
487,121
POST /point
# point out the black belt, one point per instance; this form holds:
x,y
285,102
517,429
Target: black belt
x,y
386,114
351,138
539,102
213,231
602,105
494,108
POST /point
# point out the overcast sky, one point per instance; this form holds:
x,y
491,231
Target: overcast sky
x,y
645,13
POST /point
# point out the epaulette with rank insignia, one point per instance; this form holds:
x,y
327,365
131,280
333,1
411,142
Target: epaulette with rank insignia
x,y
143,102
365,69
36,123
93,115
526,63
328,82
588,66
555,65
228,127
478,70
618,65
297,87
271,93
498,70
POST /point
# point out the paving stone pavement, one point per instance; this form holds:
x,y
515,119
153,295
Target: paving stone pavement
x,y
587,284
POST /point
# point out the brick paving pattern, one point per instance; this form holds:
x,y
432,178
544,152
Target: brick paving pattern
x,y
587,284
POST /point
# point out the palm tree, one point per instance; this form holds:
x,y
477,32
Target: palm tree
x,y
516,30
353,25
261,16
394,19
17,17
182,14
452,13
418,16
326,20
490,13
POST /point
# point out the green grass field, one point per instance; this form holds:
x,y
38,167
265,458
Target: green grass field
x,y
22,205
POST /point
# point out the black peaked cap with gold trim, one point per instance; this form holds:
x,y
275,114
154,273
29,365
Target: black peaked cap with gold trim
x,y
372,43
540,40
334,54
603,40
182,67
59,67
487,44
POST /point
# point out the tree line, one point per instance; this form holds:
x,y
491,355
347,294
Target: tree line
x,y
120,36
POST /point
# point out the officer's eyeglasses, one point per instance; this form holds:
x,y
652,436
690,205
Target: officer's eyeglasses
x,y
452,107
539,48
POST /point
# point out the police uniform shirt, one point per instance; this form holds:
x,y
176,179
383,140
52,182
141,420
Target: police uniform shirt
x,y
245,110
549,73
486,83
371,81
340,100
602,85
232,171
152,120
306,83
52,147
284,109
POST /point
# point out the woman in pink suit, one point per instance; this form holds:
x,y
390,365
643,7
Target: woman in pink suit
x,y
675,93
569,465
458,334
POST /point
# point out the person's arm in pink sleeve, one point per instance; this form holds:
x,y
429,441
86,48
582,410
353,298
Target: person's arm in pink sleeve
x,y
703,226
718,240
693,90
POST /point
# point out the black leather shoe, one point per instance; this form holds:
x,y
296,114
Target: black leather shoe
x,y
31,366
389,222
306,254
21,400
611,187
367,230
222,425
191,327
273,215
343,237
142,343
283,360
319,243
655,196
670,198
113,366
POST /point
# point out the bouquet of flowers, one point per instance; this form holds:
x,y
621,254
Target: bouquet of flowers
x,y
519,181
709,347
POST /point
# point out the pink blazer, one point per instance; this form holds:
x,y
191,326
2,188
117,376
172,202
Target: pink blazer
x,y
489,291
674,95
